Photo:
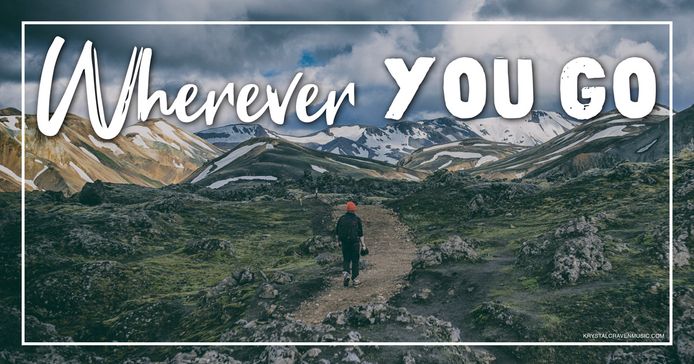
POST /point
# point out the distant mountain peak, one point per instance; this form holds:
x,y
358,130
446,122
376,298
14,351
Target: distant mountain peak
x,y
397,139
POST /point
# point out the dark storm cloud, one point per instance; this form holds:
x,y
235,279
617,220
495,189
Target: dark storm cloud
x,y
587,9
208,55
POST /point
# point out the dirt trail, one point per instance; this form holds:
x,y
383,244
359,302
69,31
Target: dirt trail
x,y
389,260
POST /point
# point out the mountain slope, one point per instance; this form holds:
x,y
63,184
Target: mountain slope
x,y
460,155
269,159
229,136
601,142
397,140
153,153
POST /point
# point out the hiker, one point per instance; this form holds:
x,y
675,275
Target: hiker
x,y
349,232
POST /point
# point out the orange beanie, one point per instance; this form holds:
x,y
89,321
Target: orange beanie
x,y
351,207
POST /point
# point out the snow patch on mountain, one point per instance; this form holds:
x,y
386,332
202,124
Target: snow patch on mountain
x,y
224,161
548,159
613,131
80,172
646,147
445,164
318,169
461,155
344,164
486,159
106,145
224,182
89,154
536,128
411,177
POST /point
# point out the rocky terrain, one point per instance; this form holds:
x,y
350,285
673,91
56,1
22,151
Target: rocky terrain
x,y
128,263
557,255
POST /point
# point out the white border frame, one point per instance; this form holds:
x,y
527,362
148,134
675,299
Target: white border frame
x,y
351,23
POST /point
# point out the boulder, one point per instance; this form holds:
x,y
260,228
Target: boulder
x,y
574,249
628,356
318,244
244,276
423,295
267,291
93,193
453,249
280,277
577,257
327,258
312,353
224,286
207,357
280,355
427,257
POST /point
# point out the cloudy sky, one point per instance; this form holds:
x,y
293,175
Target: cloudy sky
x,y
332,56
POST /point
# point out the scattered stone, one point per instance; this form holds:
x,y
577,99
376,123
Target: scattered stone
x,y
208,357
454,249
353,336
626,356
280,355
312,353
327,258
684,324
351,357
476,204
280,277
574,249
267,291
655,288
496,313
423,295
224,286
208,246
244,276
319,244
90,243
427,257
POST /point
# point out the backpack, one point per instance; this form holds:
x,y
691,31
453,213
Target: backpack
x,y
348,229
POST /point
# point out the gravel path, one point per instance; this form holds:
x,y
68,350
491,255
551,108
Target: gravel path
x,y
389,260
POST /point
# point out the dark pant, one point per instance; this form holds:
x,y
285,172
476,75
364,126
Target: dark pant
x,y
350,255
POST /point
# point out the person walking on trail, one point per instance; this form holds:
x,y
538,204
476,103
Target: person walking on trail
x,y
351,235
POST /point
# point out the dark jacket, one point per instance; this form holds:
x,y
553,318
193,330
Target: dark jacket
x,y
349,228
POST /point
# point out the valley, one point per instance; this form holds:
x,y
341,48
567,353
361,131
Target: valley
x,y
506,236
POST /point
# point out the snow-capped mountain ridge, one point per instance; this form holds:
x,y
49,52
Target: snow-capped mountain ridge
x,y
395,140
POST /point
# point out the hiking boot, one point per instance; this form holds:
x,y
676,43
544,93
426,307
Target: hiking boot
x,y
355,282
345,279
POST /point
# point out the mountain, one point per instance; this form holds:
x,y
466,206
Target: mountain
x,y
460,155
153,153
10,150
683,130
229,136
397,140
601,142
270,159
